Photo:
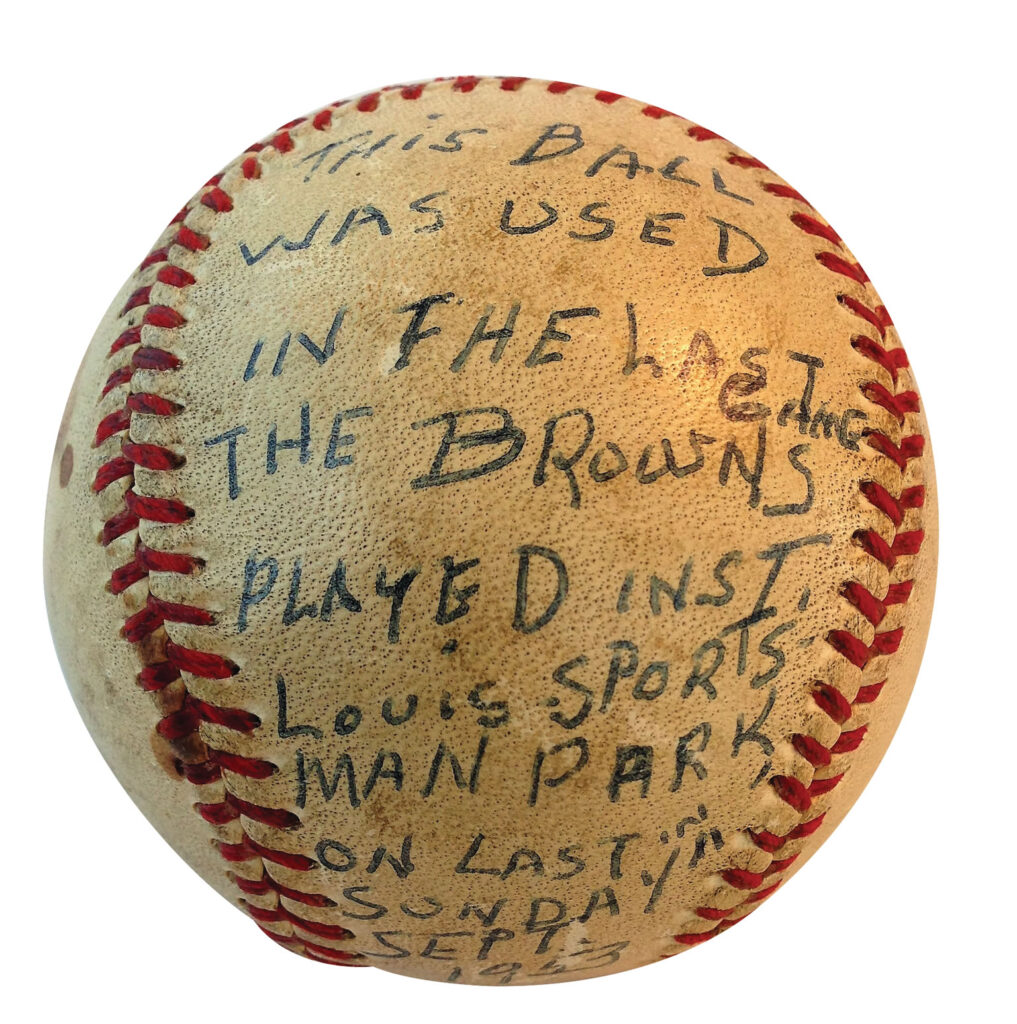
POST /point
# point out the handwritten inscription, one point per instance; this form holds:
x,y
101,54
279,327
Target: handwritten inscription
x,y
585,685
567,450
689,653
734,249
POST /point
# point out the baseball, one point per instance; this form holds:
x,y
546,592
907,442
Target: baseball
x,y
492,533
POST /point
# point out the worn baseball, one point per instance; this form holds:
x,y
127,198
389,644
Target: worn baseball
x,y
492,533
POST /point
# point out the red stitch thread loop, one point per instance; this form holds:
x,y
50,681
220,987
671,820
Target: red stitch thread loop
x,y
878,317
152,405
785,192
741,879
867,694
249,767
811,226
150,618
875,546
200,663
217,200
202,773
750,162
191,240
882,499
157,510
334,957
132,336
152,456
233,807
155,256
865,601
115,469
175,277
819,787
898,405
112,424
811,749
792,792
117,525
831,702
694,938
267,884
117,378
138,298
334,932
910,447
850,740
146,358
166,561
848,645
839,265
188,718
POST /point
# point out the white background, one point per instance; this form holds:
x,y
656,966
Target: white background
x,y
894,119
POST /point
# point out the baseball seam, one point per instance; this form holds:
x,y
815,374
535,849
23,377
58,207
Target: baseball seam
x,y
167,665
829,764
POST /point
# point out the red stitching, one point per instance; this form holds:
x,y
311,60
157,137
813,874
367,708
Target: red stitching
x,y
146,560
184,713
811,226
116,378
887,550
785,192
112,424
152,405
147,358
910,447
314,951
181,723
838,265
138,298
250,166
217,200
145,622
875,547
860,653
898,405
740,160
108,472
233,807
797,795
701,134
155,256
262,886
192,240
324,931
151,456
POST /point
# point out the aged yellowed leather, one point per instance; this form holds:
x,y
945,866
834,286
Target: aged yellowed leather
x,y
510,541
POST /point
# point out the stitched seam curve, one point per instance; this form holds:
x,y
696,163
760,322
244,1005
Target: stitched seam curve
x,y
831,763
167,665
